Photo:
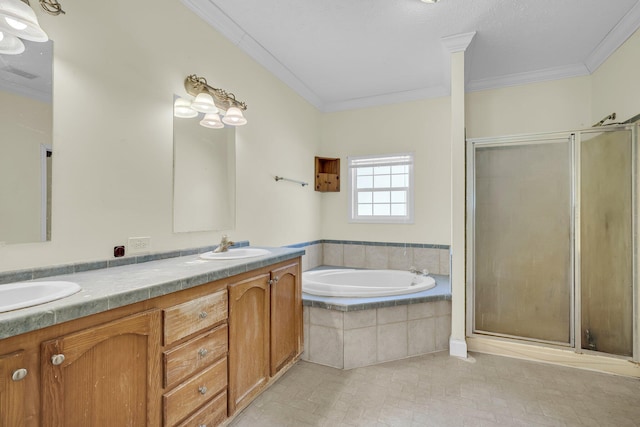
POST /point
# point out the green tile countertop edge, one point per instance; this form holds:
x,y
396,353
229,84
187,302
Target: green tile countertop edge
x,y
109,288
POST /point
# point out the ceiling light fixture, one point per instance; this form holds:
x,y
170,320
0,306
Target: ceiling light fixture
x,y
19,21
211,100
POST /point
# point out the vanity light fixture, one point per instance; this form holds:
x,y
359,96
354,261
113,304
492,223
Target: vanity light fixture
x,y
211,101
19,21
430,1
182,109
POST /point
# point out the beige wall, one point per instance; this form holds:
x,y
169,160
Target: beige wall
x,y
616,85
422,127
117,66
115,75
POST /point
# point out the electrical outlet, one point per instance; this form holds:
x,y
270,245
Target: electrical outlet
x,y
138,245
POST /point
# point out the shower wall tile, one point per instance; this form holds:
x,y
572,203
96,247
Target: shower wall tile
x,y
443,332
422,336
305,325
376,257
326,346
333,254
328,318
422,310
392,341
392,314
354,256
400,257
444,261
360,347
428,258
359,319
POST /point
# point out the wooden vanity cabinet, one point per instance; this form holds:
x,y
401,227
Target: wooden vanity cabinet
x,y
15,374
104,375
187,358
265,324
195,361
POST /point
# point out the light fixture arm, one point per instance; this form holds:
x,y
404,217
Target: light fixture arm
x,y
52,7
223,99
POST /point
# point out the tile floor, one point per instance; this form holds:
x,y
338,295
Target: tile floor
x,y
437,390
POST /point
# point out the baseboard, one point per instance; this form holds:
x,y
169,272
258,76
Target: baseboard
x,y
457,348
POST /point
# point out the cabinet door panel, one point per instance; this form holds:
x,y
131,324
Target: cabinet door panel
x,y
12,392
248,339
110,375
286,316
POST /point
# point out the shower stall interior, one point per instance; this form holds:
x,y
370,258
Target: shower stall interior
x,y
551,244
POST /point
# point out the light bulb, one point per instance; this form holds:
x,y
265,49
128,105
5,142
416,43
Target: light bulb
x,y
15,24
182,109
234,117
204,103
212,120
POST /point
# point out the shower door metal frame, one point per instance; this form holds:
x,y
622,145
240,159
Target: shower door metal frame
x,y
574,138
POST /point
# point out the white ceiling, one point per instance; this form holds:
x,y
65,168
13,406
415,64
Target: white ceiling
x,y
343,54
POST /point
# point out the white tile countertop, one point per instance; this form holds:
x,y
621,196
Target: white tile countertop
x,y
109,288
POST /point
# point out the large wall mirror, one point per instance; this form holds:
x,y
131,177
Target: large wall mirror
x,y
26,117
204,171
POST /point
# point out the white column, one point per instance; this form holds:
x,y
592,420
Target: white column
x,y
457,46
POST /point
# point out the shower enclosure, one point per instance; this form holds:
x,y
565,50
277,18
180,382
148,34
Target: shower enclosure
x,y
551,246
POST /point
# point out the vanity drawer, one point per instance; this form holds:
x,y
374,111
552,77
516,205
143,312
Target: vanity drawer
x,y
192,316
191,356
182,400
210,415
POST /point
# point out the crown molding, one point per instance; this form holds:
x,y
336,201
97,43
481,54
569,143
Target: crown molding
x,y
457,42
386,99
616,37
215,17
516,79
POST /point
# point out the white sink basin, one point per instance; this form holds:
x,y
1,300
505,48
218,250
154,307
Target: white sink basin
x,y
26,294
235,254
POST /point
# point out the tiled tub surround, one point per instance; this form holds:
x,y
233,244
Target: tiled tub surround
x,y
348,333
109,288
381,255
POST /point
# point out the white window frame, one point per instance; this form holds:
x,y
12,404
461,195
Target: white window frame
x,y
355,162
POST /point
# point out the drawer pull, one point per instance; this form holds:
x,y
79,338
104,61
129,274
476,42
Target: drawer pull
x,y
203,352
57,359
203,315
202,390
19,374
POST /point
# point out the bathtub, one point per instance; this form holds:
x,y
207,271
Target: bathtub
x,y
364,283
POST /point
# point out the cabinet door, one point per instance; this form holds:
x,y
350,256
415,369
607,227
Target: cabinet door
x,y
248,339
13,389
286,316
108,375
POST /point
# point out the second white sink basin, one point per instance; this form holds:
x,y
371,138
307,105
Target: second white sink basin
x,y
235,254
26,294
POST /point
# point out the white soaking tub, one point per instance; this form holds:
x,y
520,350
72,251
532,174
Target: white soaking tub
x,y
364,283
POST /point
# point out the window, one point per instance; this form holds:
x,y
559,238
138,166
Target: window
x,y
381,188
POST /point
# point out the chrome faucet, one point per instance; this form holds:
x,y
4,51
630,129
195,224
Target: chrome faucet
x,y
414,270
224,244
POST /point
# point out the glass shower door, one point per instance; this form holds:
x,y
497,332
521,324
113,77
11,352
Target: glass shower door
x,y
606,241
522,243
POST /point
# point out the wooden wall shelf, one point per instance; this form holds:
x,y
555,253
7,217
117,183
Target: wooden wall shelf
x,y
327,174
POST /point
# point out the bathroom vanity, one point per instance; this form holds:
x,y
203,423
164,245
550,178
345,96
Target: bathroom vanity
x,y
194,351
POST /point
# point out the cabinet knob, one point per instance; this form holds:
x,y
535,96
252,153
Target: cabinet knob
x,y
57,359
276,279
202,390
19,374
202,425
203,352
203,315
